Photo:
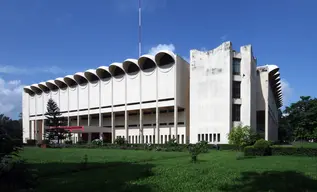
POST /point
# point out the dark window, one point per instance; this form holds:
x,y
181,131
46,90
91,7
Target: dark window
x,y
153,138
165,138
236,66
203,137
177,138
198,137
182,139
210,137
146,139
236,89
206,138
129,139
236,112
218,137
214,137
161,139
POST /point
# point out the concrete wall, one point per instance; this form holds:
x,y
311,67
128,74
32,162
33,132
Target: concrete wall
x,y
210,92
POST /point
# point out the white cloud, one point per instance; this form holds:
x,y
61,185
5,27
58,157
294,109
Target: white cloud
x,y
10,97
160,47
287,91
9,69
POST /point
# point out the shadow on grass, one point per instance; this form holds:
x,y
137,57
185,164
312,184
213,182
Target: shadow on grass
x,y
92,177
272,181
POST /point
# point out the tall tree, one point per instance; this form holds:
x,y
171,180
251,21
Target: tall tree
x,y
302,118
53,121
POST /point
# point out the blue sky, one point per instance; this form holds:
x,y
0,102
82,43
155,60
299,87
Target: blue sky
x,y
60,37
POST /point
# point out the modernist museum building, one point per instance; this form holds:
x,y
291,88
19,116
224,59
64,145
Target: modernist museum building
x,y
153,99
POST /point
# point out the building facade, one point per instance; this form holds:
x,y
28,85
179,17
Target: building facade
x,y
157,98
227,89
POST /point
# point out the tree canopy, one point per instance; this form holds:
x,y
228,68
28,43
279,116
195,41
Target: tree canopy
x,y
53,121
299,120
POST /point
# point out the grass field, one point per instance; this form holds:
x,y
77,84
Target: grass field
x,y
127,170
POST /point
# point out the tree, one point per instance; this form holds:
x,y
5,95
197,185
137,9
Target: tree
x,y
240,136
302,118
53,121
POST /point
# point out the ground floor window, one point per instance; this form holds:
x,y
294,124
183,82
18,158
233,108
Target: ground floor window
x,y
182,139
198,137
218,137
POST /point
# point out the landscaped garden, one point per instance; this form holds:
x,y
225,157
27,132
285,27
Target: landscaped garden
x,y
75,169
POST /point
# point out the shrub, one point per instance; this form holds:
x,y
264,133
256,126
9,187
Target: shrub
x,y
203,145
120,141
227,147
31,142
97,142
172,143
68,142
240,136
262,147
294,151
81,142
196,149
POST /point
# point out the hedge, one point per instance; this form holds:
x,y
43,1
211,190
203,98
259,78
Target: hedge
x,y
294,151
281,150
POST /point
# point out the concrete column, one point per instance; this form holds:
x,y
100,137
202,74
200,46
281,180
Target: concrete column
x,y
78,120
43,129
89,137
113,127
126,124
100,120
157,129
186,127
68,121
176,121
141,126
89,120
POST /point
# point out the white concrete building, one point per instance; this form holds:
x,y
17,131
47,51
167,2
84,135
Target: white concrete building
x,y
227,89
156,98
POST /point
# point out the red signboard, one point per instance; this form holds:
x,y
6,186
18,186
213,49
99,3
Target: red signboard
x,y
70,128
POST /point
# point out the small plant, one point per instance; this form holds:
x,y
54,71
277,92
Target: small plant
x,y
84,163
239,156
203,146
195,150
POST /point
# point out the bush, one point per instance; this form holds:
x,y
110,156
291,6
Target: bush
x,y
97,142
262,147
172,143
294,151
120,141
31,142
68,142
16,174
227,147
203,145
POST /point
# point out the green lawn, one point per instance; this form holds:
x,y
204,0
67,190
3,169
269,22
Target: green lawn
x,y
127,170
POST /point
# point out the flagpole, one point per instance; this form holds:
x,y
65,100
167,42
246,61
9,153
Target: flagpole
x,y
140,46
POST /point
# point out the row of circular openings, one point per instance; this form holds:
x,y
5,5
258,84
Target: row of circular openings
x,y
130,67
